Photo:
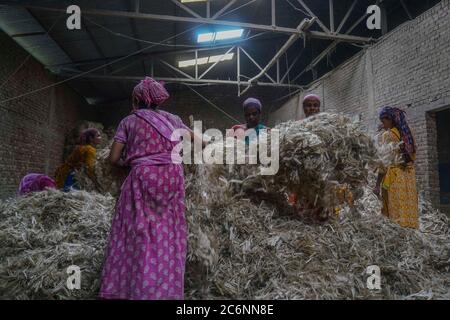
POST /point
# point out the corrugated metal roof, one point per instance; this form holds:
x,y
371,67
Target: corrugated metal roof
x,y
19,24
104,39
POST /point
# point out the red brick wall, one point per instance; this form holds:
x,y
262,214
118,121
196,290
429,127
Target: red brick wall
x,y
32,128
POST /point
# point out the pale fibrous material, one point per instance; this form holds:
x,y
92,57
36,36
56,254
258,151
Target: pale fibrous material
x,y
245,241
109,177
43,234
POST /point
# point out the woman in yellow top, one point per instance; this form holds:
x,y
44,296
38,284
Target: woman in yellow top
x,y
84,155
398,182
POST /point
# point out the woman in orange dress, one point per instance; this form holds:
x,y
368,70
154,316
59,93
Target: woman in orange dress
x,y
397,184
84,155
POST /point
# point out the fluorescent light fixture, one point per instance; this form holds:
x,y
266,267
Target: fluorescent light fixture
x,y
205,37
187,1
229,34
221,35
190,63
222,57
205,60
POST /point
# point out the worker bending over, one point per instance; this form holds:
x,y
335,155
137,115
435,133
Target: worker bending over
x,y
84,155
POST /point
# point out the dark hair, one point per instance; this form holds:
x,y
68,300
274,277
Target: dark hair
x,y
88,135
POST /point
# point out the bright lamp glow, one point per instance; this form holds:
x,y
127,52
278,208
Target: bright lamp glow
x,y
190,63
205,60
214,59
187,1
230,34
221,35
205,37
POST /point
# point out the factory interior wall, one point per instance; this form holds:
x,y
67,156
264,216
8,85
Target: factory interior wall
x,y
32,128
410,68
184,103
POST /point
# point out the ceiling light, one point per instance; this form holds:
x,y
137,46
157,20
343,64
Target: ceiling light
x,y
189,63
206,37
205,60
229,34
222,57
221,35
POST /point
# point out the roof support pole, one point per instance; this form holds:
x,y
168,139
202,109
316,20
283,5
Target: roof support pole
x,y
305,24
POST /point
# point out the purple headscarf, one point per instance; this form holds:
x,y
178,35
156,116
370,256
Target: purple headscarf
x,y
311,97
35,182
88,135
252,102
150,92
398,118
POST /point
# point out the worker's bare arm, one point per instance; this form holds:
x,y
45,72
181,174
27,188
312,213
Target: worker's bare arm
x,y
116,153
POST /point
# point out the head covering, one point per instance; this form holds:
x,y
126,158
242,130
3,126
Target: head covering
x,y
149,92
398,118
252,102
311,97
35,182
88,135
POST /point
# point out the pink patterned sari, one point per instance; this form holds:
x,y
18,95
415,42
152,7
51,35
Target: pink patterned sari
x,y
146,252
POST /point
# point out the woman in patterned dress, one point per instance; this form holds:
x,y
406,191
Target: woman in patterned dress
x,y
398,182
147,246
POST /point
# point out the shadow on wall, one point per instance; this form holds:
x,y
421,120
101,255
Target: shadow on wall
x,y
443,147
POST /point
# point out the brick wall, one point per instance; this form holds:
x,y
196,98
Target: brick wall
x,y
409,66
32,128
185,103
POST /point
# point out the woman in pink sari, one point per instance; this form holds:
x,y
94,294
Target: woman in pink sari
x,y
147,246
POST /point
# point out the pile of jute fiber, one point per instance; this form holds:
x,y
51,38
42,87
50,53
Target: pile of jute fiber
x,y
244,244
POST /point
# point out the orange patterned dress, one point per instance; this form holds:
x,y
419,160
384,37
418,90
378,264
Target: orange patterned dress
x,y
399,192
83,155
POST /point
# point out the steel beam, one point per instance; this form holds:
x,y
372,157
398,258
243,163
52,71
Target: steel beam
x,y
152,54
196,64
185,8
331,3
157,17
320,23
137,7
344,20
338,37
384,20
238,71
305,24
406,9
331,47
175,69
225,8
208,9
292,65
257,64
278,71
274,13
215,64
177,80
